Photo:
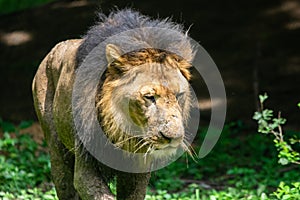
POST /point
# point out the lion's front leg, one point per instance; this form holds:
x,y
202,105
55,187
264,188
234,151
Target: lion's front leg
x,y
132,186
88,180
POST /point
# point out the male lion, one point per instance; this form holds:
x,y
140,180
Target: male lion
x,y
142,102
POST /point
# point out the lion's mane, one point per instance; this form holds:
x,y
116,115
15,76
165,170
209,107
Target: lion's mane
x,y
123,20
130,31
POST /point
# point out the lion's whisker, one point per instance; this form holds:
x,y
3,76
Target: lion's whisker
x,y
140,147
145,155
138,143
189,149
148,152
149,149
129,138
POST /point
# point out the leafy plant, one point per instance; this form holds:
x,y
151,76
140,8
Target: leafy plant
x,y
286,192
268,124
35,193
23,166
231,171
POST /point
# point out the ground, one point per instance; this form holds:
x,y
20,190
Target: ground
x,y
255,44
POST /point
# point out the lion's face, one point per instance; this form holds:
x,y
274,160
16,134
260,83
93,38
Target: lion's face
x,y
150,103
156,106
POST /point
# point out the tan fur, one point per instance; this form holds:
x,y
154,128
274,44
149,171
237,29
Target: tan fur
x,y
123,71
142,103
130,78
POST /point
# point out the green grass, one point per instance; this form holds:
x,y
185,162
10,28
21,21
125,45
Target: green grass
x,y
24,167
9,6
243,165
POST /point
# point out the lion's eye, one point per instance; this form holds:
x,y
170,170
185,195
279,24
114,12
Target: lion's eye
x,y
150,98
179,95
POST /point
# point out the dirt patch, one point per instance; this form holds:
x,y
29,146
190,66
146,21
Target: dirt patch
x,y
35,131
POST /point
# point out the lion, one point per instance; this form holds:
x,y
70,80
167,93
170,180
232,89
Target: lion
x,y
142,102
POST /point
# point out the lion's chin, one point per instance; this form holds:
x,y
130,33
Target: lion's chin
x,y
165,152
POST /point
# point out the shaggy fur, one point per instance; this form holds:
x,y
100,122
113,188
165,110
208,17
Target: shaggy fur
x,y
127,19
148,63
122,83
129,31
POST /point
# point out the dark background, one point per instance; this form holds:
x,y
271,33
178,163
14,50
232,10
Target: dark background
x,y
255,45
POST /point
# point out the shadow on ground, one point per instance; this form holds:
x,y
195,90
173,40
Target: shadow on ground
x,y
255,44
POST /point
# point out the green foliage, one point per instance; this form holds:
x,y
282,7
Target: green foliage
x,y
241,166
9,6
35,193
192,192
268,124
23,166
286,192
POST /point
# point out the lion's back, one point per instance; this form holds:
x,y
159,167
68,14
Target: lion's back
x,y
52,90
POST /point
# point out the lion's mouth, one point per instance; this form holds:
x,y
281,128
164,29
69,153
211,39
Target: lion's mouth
x,y
171,145
161,142
165,151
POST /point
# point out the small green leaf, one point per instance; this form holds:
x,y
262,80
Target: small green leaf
x,y
283,161
273,126
257,116
48,197
264,196
299,104
296,184
279,121
267,114
263,97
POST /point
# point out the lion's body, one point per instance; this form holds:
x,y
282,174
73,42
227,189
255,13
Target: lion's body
x,y
52,88
150,80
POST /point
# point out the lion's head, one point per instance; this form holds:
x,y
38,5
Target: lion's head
x,y
144,101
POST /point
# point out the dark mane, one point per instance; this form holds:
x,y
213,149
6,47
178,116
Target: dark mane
x,y
123,20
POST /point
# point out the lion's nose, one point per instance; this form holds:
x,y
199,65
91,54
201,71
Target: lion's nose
x,y
171,138
165,136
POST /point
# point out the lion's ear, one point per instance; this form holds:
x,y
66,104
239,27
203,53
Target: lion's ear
x,y
112,53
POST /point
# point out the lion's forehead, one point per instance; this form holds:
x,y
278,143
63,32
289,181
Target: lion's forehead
x,y
160,88
159,79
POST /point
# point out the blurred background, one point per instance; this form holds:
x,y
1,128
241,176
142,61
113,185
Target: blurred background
x,y
255,45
